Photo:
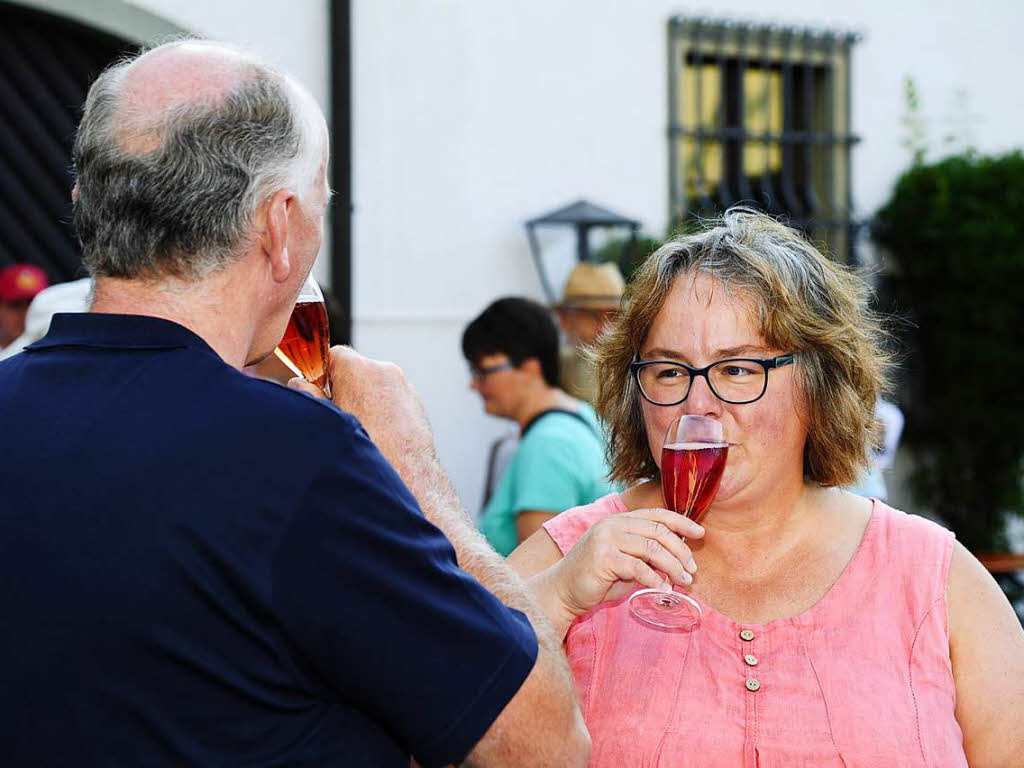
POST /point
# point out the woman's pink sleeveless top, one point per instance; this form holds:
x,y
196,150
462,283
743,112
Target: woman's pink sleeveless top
x,y
860,680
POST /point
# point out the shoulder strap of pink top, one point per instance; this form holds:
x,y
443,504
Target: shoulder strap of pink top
x,y
915,553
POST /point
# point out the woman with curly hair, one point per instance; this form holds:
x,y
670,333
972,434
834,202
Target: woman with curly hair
x,y
834,631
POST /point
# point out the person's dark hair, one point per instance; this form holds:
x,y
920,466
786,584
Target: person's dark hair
x,y
173,192
518,328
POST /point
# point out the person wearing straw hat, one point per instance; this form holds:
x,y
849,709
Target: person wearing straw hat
x,y
589,304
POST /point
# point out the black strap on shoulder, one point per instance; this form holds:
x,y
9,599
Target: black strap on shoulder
x,y
492,458
542,414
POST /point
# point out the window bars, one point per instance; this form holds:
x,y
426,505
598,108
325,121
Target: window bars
x,y
761,115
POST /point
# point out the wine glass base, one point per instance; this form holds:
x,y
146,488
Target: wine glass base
x,y
664,609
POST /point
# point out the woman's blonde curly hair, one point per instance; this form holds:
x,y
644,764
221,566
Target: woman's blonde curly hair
x,y
801,301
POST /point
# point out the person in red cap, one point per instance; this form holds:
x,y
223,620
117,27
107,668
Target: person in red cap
x,y
19,283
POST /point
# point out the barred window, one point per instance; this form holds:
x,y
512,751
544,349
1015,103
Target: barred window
x,y
761,114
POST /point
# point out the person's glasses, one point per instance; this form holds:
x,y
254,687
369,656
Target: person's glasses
x,y
479,373
736,380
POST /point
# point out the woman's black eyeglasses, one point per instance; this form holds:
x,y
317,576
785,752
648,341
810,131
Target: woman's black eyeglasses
x,y
736,380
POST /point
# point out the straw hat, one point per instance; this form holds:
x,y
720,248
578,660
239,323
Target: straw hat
x,y
593,286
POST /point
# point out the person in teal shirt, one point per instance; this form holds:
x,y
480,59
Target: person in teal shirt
x,y
513,352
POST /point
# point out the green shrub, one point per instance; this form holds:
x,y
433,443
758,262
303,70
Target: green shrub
x,y
628,254
954,231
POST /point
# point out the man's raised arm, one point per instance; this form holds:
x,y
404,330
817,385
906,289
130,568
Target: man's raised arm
x,y
542,724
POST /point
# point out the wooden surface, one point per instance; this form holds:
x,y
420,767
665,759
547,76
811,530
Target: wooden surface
x,y
1001,562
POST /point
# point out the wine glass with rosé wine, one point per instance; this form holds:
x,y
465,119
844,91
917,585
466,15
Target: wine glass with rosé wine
x,y
305,348
692,461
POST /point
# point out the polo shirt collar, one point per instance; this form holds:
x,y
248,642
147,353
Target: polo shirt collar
x,y
107,331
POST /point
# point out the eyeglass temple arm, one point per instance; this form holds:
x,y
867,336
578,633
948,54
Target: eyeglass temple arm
x,y
782,360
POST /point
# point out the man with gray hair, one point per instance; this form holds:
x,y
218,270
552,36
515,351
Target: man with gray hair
x,y
227,572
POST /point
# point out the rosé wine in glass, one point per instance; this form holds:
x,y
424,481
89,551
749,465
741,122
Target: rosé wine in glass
x,y
692,463
690,475
305,347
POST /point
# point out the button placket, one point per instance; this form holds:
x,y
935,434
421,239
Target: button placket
x,y
747,650
751,683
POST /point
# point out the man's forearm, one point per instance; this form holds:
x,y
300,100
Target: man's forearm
x,y
541,726
440,504
548,695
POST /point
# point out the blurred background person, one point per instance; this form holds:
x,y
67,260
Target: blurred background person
x,y
499,456
589,304
889,422
19,284
512,350
62,297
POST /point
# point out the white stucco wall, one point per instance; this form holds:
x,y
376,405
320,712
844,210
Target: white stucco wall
x,y
471,116
293,36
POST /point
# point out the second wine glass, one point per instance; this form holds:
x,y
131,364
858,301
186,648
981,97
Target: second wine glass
x,y
305,347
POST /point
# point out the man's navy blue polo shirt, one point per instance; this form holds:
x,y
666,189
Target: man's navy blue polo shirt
x,y
202,569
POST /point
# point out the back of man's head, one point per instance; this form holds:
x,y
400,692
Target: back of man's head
x,y
176,150
518,328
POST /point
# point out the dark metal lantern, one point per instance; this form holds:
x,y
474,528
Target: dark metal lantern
x,y
581,216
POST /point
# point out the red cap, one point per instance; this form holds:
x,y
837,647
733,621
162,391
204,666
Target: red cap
x,y
21,281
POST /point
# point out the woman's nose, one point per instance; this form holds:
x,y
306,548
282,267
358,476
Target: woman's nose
x,y
701,401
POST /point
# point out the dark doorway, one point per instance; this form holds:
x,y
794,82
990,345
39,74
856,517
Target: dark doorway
x,y
46,66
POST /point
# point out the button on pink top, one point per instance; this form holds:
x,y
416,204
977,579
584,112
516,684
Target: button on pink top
x,y
860,680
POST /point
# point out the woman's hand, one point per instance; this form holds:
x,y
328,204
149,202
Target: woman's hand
x,y
617,554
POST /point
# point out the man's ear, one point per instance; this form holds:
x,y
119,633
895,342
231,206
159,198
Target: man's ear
x,y
74,193
273,235
532,366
